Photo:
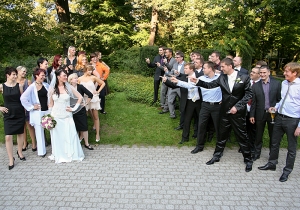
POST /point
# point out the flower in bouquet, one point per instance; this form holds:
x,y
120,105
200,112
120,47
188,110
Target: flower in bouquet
x,y
48,122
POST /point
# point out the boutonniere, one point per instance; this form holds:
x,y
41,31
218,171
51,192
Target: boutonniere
x,y
238,80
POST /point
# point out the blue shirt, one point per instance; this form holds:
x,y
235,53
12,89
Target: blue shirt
x,y
208,95
291,106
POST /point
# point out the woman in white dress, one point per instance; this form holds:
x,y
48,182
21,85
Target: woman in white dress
x,y
88,81
65,142
35,100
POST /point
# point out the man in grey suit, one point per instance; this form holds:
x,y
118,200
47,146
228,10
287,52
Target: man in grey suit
x,y
237,61
266,93
178,68
168,63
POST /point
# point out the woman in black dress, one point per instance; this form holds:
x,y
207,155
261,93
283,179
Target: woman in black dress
x,y
80,117
14,114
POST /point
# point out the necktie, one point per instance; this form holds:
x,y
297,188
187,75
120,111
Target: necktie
x,y
193,94
287,92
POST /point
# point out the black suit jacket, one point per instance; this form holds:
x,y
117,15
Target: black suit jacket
x,y
159,71
258,100
183,91
199,74
244,71
240,95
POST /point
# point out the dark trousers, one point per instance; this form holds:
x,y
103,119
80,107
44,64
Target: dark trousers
x,y
251,130
190,108
260,128
156,87
102,95
238,123
284,126
208,111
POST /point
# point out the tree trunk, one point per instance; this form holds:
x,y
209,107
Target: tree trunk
x,y
63,13
153,25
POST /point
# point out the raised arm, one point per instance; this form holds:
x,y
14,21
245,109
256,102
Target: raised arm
x,y
100,82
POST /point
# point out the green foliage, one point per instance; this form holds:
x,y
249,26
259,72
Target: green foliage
x,y
27,61
125,60
138,88
147,52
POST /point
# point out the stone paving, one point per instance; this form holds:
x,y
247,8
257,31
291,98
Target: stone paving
x,y
113,177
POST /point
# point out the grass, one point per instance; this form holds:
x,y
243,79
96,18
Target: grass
x,y
133,123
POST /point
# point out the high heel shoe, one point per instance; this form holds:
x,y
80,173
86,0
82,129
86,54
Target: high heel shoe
x,y
23,158
34,150
12,166
89,147
26,147
97,140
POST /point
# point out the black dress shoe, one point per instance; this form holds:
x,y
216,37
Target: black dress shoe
x,y
248,166
268,166
213,160
196,150
284,177
178,128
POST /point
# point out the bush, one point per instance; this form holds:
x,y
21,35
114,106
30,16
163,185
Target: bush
x,y
147,52
125,61
29,62
138,88
132,60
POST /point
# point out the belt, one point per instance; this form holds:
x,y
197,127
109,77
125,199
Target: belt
x,y
213,103
284,116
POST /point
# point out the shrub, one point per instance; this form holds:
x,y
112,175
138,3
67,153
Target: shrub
x,y
29,62
138,88
125,61
147,52
132,60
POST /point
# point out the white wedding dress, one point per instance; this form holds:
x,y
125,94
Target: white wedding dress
x,y
64,139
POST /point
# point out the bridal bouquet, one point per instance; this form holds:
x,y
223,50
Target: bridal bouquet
x,y
48,122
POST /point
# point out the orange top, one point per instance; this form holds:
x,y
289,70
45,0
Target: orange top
x,y
103,70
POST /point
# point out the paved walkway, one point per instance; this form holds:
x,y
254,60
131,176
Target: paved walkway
x,y
112,177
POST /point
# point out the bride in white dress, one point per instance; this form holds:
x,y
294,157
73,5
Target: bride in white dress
x,y
64,139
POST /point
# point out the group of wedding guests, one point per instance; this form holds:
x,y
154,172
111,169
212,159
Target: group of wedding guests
x,y
220,95
68,92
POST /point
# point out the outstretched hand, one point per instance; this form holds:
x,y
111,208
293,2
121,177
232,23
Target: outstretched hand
x,y
164,78
174,79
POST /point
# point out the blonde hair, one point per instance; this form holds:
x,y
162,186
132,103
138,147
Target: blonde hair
x,y
21,68
79,65
72,76
71,47
293,67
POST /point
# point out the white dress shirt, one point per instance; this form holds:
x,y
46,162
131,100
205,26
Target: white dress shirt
x,y
232,79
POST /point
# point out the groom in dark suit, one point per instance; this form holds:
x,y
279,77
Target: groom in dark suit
x,y
266,93
236,92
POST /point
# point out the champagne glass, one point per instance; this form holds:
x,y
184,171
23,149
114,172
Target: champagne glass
x,y
272,112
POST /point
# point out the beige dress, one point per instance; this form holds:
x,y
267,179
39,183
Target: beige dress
x,y
95,102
